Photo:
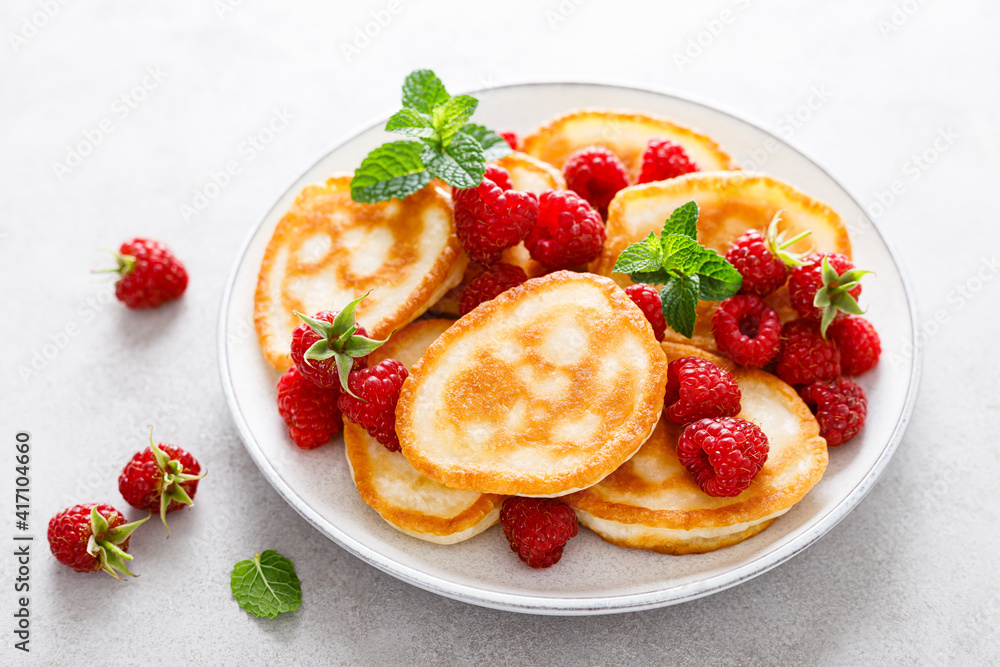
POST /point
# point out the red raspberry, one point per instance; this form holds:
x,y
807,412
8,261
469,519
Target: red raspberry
x,y
568,232
596,174
150,274
310,412
747,330
699,389
762,272
723,454
489,219
487,285
664,159
373,405
804,356
511,138
858,343
806,280
840,407
648,299
537,529
161,478
70,532
321,373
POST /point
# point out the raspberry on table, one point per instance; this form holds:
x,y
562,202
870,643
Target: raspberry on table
x,y
747,330
699,389
511,138
373,403
162,478
537,529
804,356
724,454
92,537
309,411
762,272
663,159
568,232
322,373
840,407
489,284
489,219
596,174
649,302
858,343
150,275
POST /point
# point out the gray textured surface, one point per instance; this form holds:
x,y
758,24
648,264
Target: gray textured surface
x,y
908,577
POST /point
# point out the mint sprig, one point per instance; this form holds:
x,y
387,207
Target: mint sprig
x,y
447,146
266,585
687,271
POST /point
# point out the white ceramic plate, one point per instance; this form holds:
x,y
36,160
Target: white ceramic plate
x,y
593,576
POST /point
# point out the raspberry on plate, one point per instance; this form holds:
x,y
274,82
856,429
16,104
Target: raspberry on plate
x,y
150,275
825,287
490,219
370,400
840,407
763,261
162,478
723,454
489,284
804,356
327,346
699,389
511,138
747,330
309,411
649,302
537,529
596,174
568,232
92,537
858,343
662,160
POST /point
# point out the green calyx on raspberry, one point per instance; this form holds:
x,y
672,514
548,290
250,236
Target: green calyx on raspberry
x,y
778,246
835,295
337,340
173,477
104,541
125,264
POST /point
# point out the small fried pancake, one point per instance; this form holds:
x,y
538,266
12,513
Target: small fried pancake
x,y
729,203
328,250
625,134
653,502
541,391
407,500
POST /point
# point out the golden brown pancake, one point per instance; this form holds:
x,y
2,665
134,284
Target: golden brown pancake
x,y
653,502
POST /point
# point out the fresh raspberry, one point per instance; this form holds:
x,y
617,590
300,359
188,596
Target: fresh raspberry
x,y
150,275
664,159
373,405
747,330
596,174
511,138
310,412
490,219
487,285
858,343
568,232
70,532
804,356
162,478
762,272
699,389
840,407
648,299
723,454
320,327
537,529
806,280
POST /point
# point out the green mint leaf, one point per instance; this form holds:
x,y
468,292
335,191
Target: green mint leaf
x,y
494,146
412,123
460,165
680,302
683,221
450,117
391,170
644,256
681,253
423,90
719,279
651,277
266,585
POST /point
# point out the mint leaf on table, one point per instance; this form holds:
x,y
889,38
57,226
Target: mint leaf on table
x,y
686,271
448,147
266,585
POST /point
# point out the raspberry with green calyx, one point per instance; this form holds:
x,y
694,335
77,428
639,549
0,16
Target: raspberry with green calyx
x,y
162,478
825,286
92,537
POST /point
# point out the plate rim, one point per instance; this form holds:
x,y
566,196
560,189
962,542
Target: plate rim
x,y
572,606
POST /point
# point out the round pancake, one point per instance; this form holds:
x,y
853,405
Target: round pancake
x,y
328,250
625,134
408,501
653,502
729,203
541,391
